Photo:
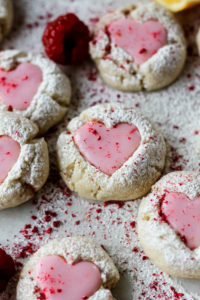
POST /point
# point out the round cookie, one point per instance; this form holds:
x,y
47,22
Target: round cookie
x,y
33,87
168,224
24,161
110,152
6,17
138,47
69,259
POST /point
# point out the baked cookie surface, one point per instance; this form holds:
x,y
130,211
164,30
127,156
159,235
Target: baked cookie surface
x,y
168,224
33,87
138,47
110,152
24,164
6,17
68,260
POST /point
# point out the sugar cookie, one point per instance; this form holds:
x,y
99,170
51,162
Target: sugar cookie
x,y
33,87
6,17
138,47
24,165
168,224
110,152
81,261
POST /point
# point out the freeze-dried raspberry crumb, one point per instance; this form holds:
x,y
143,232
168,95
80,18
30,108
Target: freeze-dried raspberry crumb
x,y
66,40
7,269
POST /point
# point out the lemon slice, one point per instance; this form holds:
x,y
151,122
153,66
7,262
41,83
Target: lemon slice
x,y
178,5
198,40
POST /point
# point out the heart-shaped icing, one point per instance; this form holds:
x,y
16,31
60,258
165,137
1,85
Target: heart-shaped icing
x,y
19,86
183,215
140,40
107,149
9,153
61,281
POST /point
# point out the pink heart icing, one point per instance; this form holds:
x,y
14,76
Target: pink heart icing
x,y
61,281
9,153
19,86
107,149
140,40
183,215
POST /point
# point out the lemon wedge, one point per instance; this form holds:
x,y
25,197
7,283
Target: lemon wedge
x,y
178,5
198,41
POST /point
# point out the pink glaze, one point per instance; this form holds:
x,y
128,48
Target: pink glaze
x,y
140,40
19,86
61,281
9,153
183,215
107,149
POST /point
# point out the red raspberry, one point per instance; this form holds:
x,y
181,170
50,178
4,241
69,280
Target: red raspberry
x,y
7,269
66,40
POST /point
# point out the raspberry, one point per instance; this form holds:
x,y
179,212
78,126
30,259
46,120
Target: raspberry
x,y
66,40
7,269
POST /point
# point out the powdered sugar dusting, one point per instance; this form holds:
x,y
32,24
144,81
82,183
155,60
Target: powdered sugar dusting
x,y
54,211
